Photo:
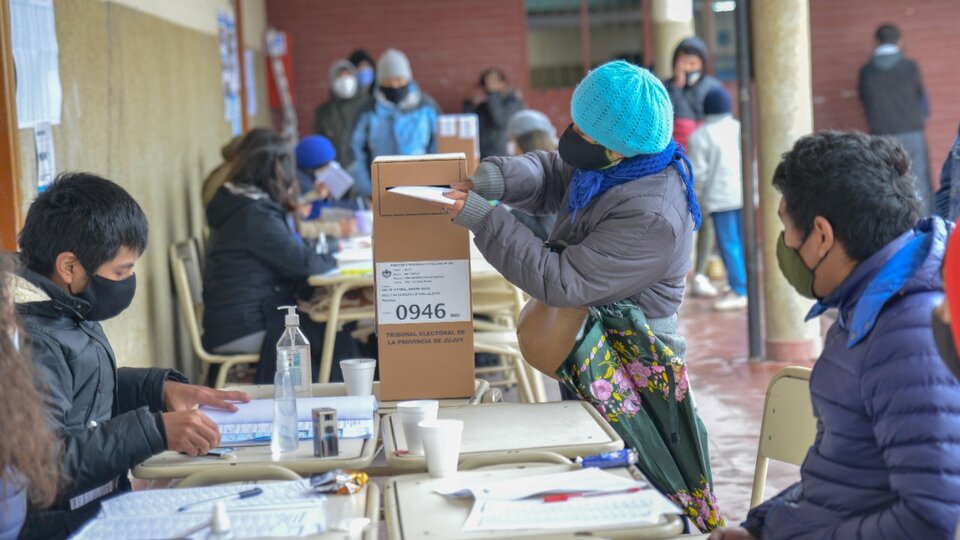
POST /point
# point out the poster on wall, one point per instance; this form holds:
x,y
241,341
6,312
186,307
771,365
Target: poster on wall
x,y
46,160
230,70
250,81
35,56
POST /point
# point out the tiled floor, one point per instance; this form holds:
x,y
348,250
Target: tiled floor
x,y
729,393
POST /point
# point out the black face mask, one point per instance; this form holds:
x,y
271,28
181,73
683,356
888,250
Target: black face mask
x,y
578,153
395,95
108,297
943,336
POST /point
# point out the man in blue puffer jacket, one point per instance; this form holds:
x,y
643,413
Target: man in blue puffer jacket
x,y
886,459
402,122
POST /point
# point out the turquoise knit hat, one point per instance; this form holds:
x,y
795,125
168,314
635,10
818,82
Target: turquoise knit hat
x,y
625,108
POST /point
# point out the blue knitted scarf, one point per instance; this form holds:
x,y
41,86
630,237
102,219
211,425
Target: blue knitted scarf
x,y
588,185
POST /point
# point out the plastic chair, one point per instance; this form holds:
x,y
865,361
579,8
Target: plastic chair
x,y
788,428
238,473
184,264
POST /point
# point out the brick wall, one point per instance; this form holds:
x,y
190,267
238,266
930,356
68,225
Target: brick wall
x,y
841,42
448,42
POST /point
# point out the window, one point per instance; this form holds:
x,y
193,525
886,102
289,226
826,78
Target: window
x,y
716,22
561,46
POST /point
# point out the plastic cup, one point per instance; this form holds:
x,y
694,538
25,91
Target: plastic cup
x,y
358,375
441,442
412,413
364,222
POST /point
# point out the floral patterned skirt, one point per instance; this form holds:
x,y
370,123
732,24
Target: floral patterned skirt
x,y
640,386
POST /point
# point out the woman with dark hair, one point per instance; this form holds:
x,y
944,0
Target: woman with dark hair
x,y
29,465
255,263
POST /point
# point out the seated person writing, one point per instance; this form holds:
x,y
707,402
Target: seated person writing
x,y
315,164
80,242
885,462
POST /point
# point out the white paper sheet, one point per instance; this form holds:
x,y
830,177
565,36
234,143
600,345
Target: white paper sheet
x,y
36,57
425,193
337,180
581,481
246,524
415,292
154,502
46,158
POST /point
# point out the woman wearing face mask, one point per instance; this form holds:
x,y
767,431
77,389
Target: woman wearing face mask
x,y
402,122
364,63
28,450
626,212
336,117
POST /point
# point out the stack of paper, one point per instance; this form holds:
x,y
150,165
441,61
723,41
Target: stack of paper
x,y
284,509
252,423
587,498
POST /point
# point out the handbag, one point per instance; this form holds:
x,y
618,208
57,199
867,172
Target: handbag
x,y
547,334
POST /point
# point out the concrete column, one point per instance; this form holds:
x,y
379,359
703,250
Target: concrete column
x,y
781,56
672,22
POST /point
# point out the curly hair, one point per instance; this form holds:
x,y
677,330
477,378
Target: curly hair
x,y
29,451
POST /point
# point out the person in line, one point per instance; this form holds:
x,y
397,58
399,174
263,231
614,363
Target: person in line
x,y
494,103
884,463
529,131
316,157
80,243
715,155
688,88
255,263
366,74
402,122
895,102
336,118
29,451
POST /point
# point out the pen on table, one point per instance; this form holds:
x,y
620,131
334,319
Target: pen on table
x,y
562,497
242,495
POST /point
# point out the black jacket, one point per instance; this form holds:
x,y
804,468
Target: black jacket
x,y
494,113
335,120
107,418
892,94
253,257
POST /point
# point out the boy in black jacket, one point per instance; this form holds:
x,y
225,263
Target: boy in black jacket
x,y
79,244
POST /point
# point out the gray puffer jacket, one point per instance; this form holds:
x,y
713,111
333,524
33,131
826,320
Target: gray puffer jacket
x,y
107,418
633,242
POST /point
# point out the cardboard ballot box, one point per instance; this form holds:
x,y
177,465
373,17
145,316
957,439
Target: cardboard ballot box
x,y
460,133
422,275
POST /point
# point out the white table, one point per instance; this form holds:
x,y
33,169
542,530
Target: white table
x,y
414,511
492,430
354,454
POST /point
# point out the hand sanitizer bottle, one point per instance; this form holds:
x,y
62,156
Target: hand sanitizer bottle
x,y
284,437
295,349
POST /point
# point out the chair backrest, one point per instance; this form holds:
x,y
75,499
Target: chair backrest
x,y
788,428
239,473
189,286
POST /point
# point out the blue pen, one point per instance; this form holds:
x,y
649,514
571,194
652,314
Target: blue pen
x,y
242,495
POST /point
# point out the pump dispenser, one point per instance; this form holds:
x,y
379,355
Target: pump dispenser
x,y
295,349
220,523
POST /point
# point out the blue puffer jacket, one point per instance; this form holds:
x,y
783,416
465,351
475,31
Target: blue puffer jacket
x,y
886,460
407,129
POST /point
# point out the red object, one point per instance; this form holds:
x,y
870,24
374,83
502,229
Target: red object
x,y
563,497
951,282
286,58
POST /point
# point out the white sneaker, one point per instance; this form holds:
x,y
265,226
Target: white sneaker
x,y
702,287
731,302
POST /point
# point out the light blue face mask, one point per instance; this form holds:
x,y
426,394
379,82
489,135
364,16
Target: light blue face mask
x,y
365,76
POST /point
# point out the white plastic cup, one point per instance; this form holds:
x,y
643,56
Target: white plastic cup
x,y
358,375
441,443
411,414
364,222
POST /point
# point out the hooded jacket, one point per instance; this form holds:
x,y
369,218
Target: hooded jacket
x,y
336,117
892,94
886,459
715,155
107,418
253,257
688,100
388,129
